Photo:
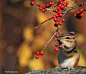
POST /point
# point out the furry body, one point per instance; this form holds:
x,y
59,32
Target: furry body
x,y
68,55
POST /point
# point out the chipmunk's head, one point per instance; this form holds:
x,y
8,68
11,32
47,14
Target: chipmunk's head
x,y
68,40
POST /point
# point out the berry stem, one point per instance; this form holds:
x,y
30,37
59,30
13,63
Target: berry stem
x,y
49,41
43,22
58,29
76,6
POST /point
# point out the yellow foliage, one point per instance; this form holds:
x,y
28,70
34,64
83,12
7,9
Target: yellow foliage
x,y
46,34
39,42
81,38
82,58
28,33
24,53
41,17
36,64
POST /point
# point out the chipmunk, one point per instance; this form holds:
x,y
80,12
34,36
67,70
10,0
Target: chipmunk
x,y
68,56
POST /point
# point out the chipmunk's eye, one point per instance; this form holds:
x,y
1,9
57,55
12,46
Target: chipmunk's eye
x,y
67,38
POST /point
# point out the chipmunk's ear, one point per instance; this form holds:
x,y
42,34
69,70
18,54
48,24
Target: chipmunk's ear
x,y
75,37
72,32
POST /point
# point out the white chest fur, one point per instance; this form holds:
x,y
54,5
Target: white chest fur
x,y
64,61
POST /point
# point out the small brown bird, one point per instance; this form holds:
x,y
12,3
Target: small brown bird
x,y
68,56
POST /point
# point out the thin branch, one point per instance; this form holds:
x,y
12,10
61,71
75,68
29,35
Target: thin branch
x,y
76,7
63,16
71,2
67,10
54,5
49,41
62,12
42,23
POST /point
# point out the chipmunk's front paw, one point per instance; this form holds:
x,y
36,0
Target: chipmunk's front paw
x,y
56,67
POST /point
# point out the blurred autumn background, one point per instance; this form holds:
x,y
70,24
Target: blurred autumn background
x,y
19,42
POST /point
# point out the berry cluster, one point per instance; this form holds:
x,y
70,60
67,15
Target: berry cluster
x,y
57,49
37,54
43,7
58,17
79,13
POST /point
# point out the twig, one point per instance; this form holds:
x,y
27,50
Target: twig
x,y
54,5
42,23
62,12
75,7
49,40
67,10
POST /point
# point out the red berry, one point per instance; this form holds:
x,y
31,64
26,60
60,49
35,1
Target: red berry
x,y
60,46
63,20
81,10
56,45
61,2
56,49
56,15
40,8
77,12
60,15
43,10
56,25
40,5
57,35
52,3
60,5
64,4
41,52
59,12
36,56
37,53
55,19
62,8
60,23
56,10
75,15
44,7
58,19
32,3
67,2
47,5
81,15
